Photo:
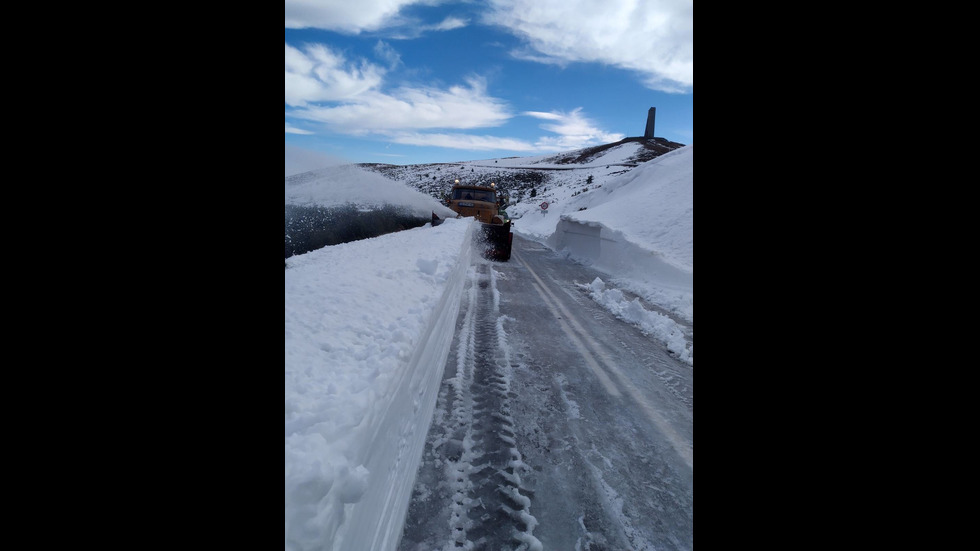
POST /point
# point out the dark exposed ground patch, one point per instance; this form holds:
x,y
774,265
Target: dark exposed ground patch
x,y
309,228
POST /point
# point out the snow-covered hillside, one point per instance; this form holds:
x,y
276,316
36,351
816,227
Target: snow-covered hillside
x,y
522,176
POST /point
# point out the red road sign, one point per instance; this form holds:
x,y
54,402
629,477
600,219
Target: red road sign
x,y
544,205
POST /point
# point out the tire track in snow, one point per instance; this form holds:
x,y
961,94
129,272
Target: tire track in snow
x,y
594,354
486,505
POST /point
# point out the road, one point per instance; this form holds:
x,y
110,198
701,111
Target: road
x,y
557,426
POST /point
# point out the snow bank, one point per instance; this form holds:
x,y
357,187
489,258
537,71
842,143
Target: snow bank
x,y
610,251
652,207
365,352
638,227
650,322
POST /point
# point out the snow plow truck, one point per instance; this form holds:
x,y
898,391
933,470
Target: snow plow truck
x,y
486,204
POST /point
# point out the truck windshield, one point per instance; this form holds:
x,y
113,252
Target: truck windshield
x,y
474,195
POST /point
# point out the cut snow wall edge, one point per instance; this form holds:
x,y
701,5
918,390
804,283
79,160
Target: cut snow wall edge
x,y
382,510
609,251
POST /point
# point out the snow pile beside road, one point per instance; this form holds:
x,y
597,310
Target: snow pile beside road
x,y
377,334
650,322
652,205
638,227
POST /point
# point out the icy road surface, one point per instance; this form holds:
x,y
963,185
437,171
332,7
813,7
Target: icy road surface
x,y
557,426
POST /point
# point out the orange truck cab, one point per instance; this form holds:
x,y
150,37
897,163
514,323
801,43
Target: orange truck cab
x,y
481,202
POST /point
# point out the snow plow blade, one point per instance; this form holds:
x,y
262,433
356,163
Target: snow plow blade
x,y
497,241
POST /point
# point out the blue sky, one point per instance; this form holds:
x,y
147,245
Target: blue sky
x,y
410,82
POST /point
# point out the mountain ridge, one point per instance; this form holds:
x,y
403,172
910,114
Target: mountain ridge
x,y
522,176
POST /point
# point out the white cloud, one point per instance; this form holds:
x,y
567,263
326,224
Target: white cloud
x,y
346,96
323,87
653,37
293,130
318,74
343,15
384,51
543,115
354,17
408,29
449,24
412,108
462,141
574,131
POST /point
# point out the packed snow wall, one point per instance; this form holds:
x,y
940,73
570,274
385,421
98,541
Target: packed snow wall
x,y
360,391
376,521
610,251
